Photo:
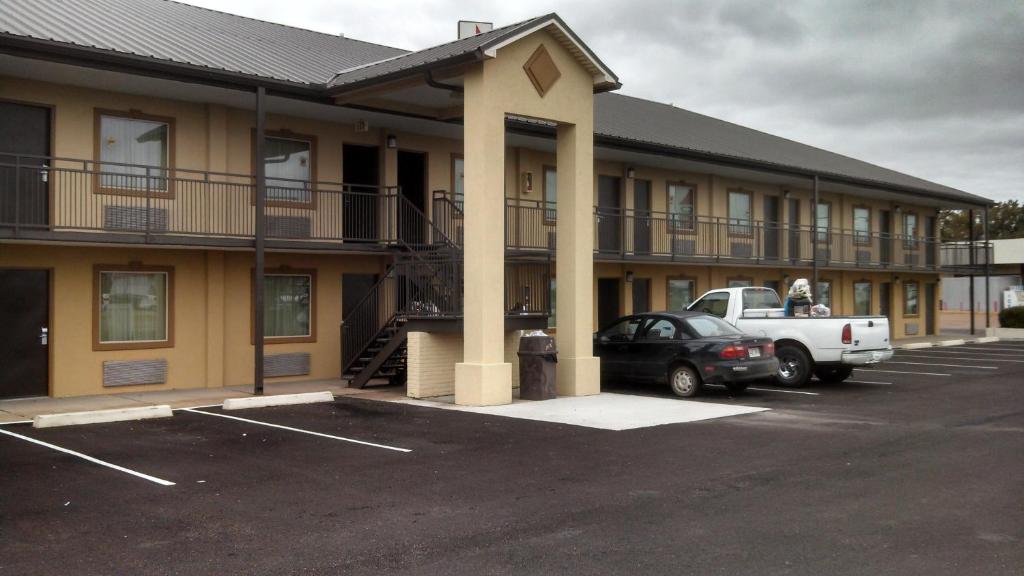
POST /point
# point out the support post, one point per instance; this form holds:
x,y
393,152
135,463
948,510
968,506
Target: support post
x,y
261,196
814,239
971,262
985,246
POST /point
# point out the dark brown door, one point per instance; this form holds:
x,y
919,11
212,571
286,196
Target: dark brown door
x,y
24,314
361,174
642,217
931,242
24,143
609,214
412,182
794,229
885,304
641,295
929,309
607,301
772,235
354,288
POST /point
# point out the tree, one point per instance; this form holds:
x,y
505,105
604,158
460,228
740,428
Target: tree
x,y
1005,220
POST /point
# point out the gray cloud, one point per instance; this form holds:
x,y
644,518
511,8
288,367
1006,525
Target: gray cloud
x,y
934,88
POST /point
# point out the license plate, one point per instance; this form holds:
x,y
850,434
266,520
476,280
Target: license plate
x,y
754,352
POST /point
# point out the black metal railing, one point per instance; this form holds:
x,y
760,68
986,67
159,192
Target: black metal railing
x,y
447,215
71,195
957,256
529,225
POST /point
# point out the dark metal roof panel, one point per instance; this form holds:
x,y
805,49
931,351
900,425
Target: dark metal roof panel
x,y
180,33
646,122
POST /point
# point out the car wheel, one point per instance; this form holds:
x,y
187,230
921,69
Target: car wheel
x,y
794,367
737,387
684,381
833,374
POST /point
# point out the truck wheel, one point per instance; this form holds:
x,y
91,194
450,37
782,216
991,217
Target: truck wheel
x,y
684,381
737,387
833,374
794,367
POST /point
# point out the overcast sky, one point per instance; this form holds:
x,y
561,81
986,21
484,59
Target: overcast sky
x,y
931,88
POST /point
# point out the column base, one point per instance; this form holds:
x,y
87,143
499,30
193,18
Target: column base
x,y
483,384
579,376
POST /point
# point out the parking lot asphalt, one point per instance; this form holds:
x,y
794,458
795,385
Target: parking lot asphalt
x,y
913,467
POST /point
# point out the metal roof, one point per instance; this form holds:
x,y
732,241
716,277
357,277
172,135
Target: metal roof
x,y
174,32
627,119
477,47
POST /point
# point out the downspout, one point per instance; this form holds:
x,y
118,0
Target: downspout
x,y
985,246
971,261
440,85
814,239
258,278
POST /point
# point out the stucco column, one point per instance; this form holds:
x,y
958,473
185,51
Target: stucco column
x,y
483,377
579,373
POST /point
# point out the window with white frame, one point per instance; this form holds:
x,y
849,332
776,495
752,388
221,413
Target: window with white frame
x,y
681,293
550,194
740,212
823,218
824,293
909,230
862,225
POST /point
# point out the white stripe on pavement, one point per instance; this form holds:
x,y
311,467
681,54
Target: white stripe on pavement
x,y
899,372
784,391
971,353
1014,349
948,365
90,459
868,382
961,357
300,430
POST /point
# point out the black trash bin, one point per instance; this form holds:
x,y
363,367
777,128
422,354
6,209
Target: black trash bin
x,y
537,358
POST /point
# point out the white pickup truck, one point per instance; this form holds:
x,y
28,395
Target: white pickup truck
x,y
827,347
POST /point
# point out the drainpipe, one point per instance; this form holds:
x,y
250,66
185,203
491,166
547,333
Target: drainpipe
x,y
988,301
971,257
261,195
814,240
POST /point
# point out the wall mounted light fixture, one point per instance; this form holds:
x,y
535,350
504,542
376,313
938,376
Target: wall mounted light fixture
x,y
630,173
629,276
391,141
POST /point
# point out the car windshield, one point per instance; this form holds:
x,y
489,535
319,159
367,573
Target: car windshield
x,y
709,326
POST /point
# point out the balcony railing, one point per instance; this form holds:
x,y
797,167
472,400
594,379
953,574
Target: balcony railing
x,y
47,196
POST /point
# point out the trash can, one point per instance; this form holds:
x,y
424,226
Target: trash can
x,y
537,358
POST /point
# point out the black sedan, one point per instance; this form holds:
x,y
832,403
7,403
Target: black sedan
x,y
685,349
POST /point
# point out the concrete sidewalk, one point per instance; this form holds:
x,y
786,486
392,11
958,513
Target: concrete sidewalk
x,y
21,409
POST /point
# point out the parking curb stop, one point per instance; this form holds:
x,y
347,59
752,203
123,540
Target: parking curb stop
x,y
101,416
278,400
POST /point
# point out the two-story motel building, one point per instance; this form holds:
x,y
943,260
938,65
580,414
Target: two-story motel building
x,y
412,210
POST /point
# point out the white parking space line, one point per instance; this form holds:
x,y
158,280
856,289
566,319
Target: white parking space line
x,y
961,357
299,430
970,353
15,422
153,479
990,348
945,365
901,372
784,391
868,382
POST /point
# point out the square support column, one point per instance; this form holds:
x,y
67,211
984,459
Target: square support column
x,y
483,378
579,372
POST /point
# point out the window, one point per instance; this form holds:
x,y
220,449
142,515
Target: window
x,y
552,318
550,194
458,176
862,225
660,329
681,292
909,231
862,298
289,306
823,295
132,147
288,163
740,212
824,220
133,308
623,330
680,206
910,299
716,304
705,327
760,298
739,282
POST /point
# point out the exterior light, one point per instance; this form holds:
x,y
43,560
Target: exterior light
x,y
629,276
630,173
392,141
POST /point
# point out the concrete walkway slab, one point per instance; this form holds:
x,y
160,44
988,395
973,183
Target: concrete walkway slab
x,y
605,411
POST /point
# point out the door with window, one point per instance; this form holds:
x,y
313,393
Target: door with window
x,y
609,214
24,314
642,217
24,182
361,174
794,229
